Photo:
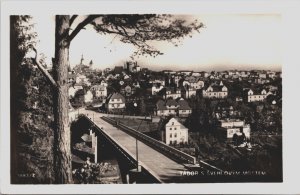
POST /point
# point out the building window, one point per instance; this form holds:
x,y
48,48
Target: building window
x,y
170,134
172,123
175,135
171,142
175,128
170,128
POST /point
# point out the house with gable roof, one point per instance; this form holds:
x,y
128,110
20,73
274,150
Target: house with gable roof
x,y
172,107
115,103
175,132
254,95
215,91
184,110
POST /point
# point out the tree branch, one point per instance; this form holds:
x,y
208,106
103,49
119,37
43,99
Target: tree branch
x,y
81,25
72,19
42,69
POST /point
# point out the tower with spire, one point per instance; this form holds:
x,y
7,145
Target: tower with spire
x,y
82,59
82,67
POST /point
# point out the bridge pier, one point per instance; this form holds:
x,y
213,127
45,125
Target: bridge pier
x,y
94,145
134,176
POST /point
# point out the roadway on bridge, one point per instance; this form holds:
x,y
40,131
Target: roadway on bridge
x,y
159,165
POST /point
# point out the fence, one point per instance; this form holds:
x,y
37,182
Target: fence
x,y
171,152
145,170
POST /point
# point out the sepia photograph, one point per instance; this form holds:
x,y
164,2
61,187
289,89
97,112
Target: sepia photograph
x,y
145,98
138,98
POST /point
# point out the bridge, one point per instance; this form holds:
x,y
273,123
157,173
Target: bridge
x,y
164,163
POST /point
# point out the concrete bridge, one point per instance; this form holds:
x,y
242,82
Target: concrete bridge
x,y
163,163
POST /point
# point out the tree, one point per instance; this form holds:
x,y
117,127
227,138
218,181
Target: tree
x,y
78,99
31,110
139,30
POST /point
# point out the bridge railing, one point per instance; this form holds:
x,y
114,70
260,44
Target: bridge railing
x,y
173,153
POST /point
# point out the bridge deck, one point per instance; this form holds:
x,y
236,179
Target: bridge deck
x,y
162,167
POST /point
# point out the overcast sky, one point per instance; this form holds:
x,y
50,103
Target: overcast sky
x,y
228,41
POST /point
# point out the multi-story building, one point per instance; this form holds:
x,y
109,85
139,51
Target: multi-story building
x,y
193,82
166,108
251,95
161,109
172,106
230,127
175,132
215,91
99,91
184,110
179,108
115,103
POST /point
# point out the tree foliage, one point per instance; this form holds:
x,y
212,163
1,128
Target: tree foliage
x,y
31,111
142,30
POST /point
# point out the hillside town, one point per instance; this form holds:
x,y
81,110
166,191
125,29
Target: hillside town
x,y
234,106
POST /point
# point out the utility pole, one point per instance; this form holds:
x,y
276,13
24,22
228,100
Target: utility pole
x,y
136,143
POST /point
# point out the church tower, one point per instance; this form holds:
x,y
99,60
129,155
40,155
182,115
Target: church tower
x,y
82,59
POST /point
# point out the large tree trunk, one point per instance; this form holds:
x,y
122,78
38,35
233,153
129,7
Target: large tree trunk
x,y
62,148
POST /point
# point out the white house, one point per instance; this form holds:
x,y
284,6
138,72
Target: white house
x,y
166,108
99,91
251,95
213,91
116,103
175,132
180,108
88,97
229,127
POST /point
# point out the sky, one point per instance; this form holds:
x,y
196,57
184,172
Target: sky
x,y
228,41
